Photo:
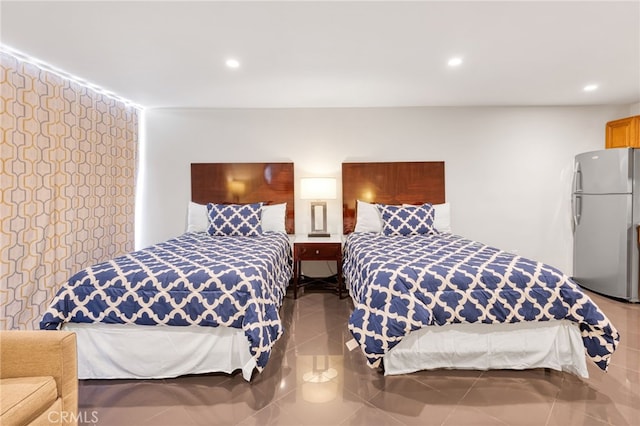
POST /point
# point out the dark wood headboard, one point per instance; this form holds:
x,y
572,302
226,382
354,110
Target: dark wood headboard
x,y
243,183
390,183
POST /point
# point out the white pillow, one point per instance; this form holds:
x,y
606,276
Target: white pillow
x,y
273,217
198,218
368,218
442,221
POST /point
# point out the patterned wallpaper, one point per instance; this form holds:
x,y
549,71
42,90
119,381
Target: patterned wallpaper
x,y
67,180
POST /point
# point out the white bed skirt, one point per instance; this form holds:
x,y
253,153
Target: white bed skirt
x,y
550,344
127,351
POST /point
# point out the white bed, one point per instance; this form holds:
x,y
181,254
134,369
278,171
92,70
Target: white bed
x,y
382,311
228,320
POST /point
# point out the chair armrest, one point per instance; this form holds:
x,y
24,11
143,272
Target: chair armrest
x,y
28,353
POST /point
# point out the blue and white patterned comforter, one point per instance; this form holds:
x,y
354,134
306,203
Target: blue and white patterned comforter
x,y
400,284
194,279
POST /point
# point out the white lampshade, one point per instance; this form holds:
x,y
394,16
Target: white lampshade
x,y
318,188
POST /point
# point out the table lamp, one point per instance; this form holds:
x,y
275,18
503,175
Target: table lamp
x,y
319,190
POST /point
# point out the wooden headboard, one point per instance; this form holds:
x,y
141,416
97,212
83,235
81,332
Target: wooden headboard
x,y
390,183
243,183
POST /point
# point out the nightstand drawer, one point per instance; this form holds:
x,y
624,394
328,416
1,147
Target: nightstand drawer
x,y
318,251
309,250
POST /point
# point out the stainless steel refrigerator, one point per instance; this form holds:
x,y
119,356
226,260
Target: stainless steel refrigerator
x,y
606,211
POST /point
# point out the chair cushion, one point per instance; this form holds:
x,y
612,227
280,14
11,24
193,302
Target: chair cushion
x,y
25,398
54,415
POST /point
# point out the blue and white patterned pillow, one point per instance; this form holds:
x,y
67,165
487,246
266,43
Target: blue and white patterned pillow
x,y
407,220
234,219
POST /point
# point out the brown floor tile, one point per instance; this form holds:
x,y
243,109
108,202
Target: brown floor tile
x,y
514,397
463,415
277,379
321,344
319,404
269,416
313,349
172,416
566,414
229,406
455,384
359,379
306,328
369,415
619,383
604,400
627,358
412,402
118,416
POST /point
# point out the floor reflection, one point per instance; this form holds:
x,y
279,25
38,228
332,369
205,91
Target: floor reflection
x,y
312,378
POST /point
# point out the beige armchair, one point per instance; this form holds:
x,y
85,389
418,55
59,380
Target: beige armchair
x,y
38,378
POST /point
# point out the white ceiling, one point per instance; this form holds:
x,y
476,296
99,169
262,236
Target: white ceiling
x,y
337,53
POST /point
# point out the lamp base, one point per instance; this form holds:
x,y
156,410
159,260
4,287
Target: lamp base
x,y
318,234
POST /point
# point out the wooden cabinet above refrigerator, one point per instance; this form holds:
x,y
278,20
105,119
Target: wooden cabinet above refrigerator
x,y
623,133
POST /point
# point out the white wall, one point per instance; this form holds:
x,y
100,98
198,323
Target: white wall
x,y
508,170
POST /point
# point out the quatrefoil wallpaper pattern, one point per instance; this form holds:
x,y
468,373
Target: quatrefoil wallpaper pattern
x,y
68,185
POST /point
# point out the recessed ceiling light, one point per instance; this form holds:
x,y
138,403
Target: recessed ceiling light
x,y
590,87
232,63
454,62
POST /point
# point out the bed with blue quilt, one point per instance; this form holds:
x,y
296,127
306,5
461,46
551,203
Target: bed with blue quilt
x,y
205,301
425,298
194,280
402,284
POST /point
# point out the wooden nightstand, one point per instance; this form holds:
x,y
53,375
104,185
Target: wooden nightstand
x,y
317,248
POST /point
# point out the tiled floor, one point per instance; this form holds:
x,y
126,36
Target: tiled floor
x,y
356,395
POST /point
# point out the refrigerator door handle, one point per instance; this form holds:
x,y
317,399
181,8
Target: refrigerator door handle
x,y
577,179
576,207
